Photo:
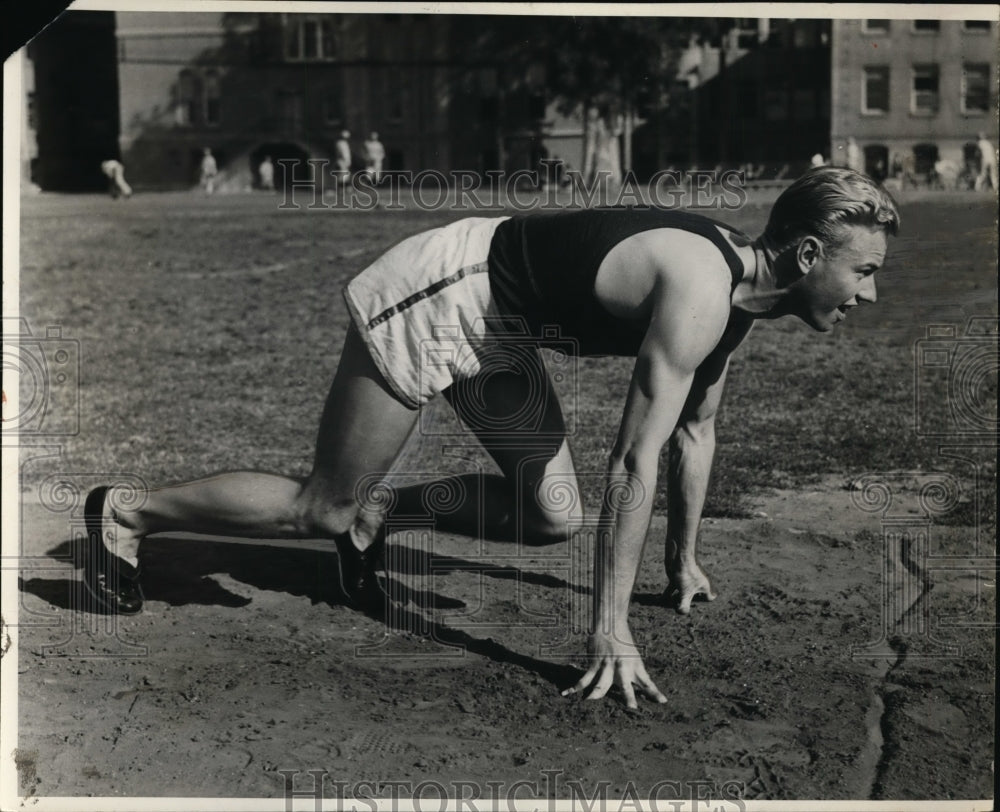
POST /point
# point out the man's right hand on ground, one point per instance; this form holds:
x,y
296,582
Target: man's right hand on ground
x,y
616,660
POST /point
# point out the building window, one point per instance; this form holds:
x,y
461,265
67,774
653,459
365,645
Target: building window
x,y
875,90
212,97
924,158
186,106
926,26
310,39
875,26
975,88
877,161
924,96
976,25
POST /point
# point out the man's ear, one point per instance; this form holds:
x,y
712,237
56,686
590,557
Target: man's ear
x,y
808,253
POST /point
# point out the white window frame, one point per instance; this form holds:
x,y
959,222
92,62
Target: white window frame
x,y
978,111
922,32
297,23
187,102
865,29
865,109
913,91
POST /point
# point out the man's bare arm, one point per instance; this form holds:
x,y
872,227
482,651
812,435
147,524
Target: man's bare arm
x,y
691,452
688,321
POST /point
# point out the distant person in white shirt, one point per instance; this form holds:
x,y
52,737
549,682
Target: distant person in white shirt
x,y
374,156
209,171
987,163
266,170
855,159
342,155
116,175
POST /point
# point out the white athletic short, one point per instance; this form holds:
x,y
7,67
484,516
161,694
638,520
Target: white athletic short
x,y
424,308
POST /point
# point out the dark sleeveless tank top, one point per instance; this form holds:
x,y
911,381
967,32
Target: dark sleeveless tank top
x,y
542,267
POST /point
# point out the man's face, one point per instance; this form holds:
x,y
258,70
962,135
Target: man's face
x,y
839,278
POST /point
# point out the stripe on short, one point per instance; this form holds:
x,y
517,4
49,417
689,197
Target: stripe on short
x,y
426,293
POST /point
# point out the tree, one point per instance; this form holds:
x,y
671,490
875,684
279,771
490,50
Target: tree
x,y
622,67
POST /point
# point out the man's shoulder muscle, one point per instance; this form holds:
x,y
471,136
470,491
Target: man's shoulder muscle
x,y
690,311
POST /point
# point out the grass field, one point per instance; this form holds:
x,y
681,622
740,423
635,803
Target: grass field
x,y
208,330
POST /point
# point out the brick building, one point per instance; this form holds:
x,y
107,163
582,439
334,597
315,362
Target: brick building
x,y
286,85
160,86
918,88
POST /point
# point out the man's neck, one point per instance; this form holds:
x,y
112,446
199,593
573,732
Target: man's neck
x,y
760,291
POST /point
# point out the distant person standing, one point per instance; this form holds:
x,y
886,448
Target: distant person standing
x,y
855,159
209,171
266,170
987,163
895,165
602,153
607,154
115,173
342,155
374,157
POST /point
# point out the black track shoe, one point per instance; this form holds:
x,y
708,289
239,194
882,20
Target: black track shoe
x,y
112,591
358,578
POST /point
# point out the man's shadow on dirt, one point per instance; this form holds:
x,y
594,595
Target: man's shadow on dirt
x,y
180,572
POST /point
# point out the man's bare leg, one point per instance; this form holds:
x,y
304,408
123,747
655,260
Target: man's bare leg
x,y
362,429
513,411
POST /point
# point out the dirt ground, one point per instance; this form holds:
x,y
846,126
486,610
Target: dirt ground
x,y
849,655
245,666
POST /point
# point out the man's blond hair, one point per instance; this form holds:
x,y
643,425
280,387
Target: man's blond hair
x,y
824,200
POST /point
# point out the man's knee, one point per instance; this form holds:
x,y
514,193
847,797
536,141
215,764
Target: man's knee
x,y
551,517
